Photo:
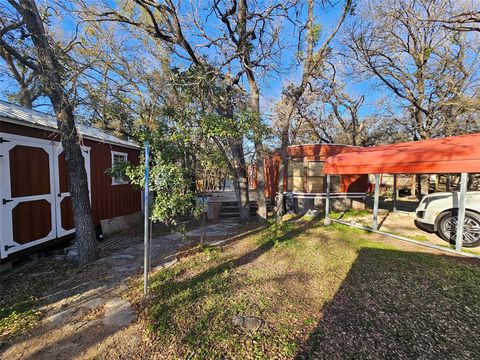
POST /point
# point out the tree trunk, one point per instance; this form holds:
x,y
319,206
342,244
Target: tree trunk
x,y
285,140
259,152
261,199
245,48
311,62
25,97
50,74
418,181
354,130
282,168
236,148
78,183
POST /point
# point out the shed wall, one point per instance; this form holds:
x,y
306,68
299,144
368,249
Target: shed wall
x,y
310,179
108,200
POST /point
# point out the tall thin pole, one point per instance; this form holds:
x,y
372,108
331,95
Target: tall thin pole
x,y
146,227
394,193
327,220
375,202
462,194
150,245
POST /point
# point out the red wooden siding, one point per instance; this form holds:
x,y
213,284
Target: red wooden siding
x,y
62,171
67,213
108,200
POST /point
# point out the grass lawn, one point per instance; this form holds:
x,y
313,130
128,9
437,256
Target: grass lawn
x,y
320,292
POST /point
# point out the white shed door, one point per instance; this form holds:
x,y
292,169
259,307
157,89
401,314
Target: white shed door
x,y
63,203
27,208
35,202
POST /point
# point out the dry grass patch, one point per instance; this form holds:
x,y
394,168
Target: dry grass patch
x,y
320,293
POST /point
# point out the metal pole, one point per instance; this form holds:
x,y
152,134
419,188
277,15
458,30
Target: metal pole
x,y
375,202
394,192
146,227
461,211
327,220
150,245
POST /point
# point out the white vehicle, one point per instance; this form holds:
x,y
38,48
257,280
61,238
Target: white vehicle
x,y
438,213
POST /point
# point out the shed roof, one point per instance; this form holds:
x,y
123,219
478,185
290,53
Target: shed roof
x,y
318,150
453,154
28,117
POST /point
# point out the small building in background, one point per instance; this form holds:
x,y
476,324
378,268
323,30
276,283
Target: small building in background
x,y
36,207
305,182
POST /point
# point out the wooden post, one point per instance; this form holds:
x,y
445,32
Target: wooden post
x,y
327,220
394,193
462,194
375,202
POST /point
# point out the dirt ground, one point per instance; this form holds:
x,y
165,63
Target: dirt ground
x,y
402,223
82,312
89,313
300,290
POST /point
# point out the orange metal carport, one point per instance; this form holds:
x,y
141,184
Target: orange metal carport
x,y
456,154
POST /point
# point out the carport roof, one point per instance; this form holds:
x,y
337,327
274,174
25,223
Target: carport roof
x,y
455,154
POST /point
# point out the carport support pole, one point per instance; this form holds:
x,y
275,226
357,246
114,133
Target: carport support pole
x,y
394,193
327,220
375,202
461,211
146,227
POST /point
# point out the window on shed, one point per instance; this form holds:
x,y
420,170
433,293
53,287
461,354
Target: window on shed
x,y
119,158
296,175
315,177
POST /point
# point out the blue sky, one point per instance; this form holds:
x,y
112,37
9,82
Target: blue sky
x,y
271,83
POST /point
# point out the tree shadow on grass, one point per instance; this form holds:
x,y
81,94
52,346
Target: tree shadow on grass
x,y
60,287
397,304
216,284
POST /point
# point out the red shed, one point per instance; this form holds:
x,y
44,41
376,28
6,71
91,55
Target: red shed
x,y
36,206
305,179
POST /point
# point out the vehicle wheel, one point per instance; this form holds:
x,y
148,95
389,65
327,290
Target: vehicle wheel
x,y
447,227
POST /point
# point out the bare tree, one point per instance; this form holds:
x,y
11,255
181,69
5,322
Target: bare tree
x,y
25,20
163,23
431,70
27,81
464,21
463,16
331,116
345,111
251,35
313,65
